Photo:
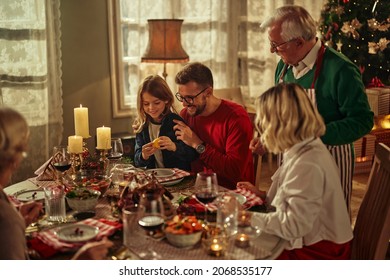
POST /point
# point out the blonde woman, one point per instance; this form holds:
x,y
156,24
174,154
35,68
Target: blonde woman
x,y
156,145
306,193
14,134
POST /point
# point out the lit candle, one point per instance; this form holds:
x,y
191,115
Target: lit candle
x,y
216,249
81,123
242,240
103,137
75,144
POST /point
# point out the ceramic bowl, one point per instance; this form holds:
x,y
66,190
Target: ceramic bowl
x,y
83,199
183,240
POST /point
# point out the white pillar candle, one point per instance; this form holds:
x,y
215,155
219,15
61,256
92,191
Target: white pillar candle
x,y
103,137
75,144
81,123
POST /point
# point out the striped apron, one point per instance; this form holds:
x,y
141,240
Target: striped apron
x,y
342,154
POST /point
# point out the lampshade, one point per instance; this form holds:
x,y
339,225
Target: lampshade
x,y
165,42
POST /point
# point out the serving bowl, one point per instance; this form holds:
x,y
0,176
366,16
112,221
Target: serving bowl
x,y
82,199
183,231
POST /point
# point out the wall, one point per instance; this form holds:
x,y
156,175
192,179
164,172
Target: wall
x,y
85,67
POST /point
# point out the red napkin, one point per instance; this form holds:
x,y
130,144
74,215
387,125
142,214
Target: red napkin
x,y
47,244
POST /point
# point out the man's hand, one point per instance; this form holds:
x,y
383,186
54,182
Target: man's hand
x,y
184,133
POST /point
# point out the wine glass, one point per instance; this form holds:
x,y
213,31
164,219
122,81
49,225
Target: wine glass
x,y
206,188
116,151
151,218
61,161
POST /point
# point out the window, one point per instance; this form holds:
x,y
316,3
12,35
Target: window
x,y
222,34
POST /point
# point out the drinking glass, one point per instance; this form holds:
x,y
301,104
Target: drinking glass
x,y
206,188
151,218
61,161
55,203
116,151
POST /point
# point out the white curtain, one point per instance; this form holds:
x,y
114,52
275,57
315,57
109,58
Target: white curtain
x,y
30,73
223,34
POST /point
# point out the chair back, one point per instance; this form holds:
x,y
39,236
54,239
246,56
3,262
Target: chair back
x,y
232,94
372,227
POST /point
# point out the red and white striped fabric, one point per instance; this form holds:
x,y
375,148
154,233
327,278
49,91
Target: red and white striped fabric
x,y
251,199
49,237
178,174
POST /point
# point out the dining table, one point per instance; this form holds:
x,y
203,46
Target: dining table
x,y
43,244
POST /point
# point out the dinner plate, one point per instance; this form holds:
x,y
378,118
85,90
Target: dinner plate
x,y
173,182
161,172
240,198
76,233
29,195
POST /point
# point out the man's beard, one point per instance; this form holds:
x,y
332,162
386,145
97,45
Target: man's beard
x,y
199,110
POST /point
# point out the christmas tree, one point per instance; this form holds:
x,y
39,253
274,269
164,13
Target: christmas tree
x,y
360,29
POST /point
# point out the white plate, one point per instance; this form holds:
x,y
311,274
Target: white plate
x,y
161,172
29,195
240,198
169,183
76,233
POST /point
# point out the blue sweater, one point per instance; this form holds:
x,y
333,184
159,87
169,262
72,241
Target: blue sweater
x,y
181,158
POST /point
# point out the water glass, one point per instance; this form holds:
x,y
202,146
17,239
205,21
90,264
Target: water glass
x,y
228,208
55,203
132,233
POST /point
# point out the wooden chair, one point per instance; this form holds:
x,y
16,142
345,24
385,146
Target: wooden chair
x,y
372,227
232,94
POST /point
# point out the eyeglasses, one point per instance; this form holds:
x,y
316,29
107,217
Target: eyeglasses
x,y
275,47
189,99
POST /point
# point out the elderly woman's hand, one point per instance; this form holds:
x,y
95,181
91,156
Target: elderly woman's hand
x,y
30,211
94,250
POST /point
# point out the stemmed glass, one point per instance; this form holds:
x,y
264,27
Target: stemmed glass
x,y
61,161
151,218
206,188
116,151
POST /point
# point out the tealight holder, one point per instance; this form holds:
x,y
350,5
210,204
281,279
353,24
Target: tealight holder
x,y
76,162
246,231
104,159
214,241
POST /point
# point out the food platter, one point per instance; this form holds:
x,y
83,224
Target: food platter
x,y
161,172
76,233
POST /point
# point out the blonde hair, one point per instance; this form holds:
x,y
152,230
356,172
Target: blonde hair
x,y
14,133
285,116
157,87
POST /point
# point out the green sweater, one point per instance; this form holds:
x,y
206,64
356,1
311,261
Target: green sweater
x,y
341,98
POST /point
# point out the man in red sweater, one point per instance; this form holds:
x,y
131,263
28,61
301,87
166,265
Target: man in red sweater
x,y
219,130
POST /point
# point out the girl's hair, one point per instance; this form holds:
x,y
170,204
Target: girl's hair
x,y
14,134
296,22
285,116
157,87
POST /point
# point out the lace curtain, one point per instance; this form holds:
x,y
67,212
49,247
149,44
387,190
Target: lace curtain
x,y
30,73
223,34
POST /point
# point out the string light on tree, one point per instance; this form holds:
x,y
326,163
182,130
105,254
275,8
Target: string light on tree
x,y
360,29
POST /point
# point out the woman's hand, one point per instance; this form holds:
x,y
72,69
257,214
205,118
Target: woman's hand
x,y
256,147
252,188
94,250
148,150
166,144
30,211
